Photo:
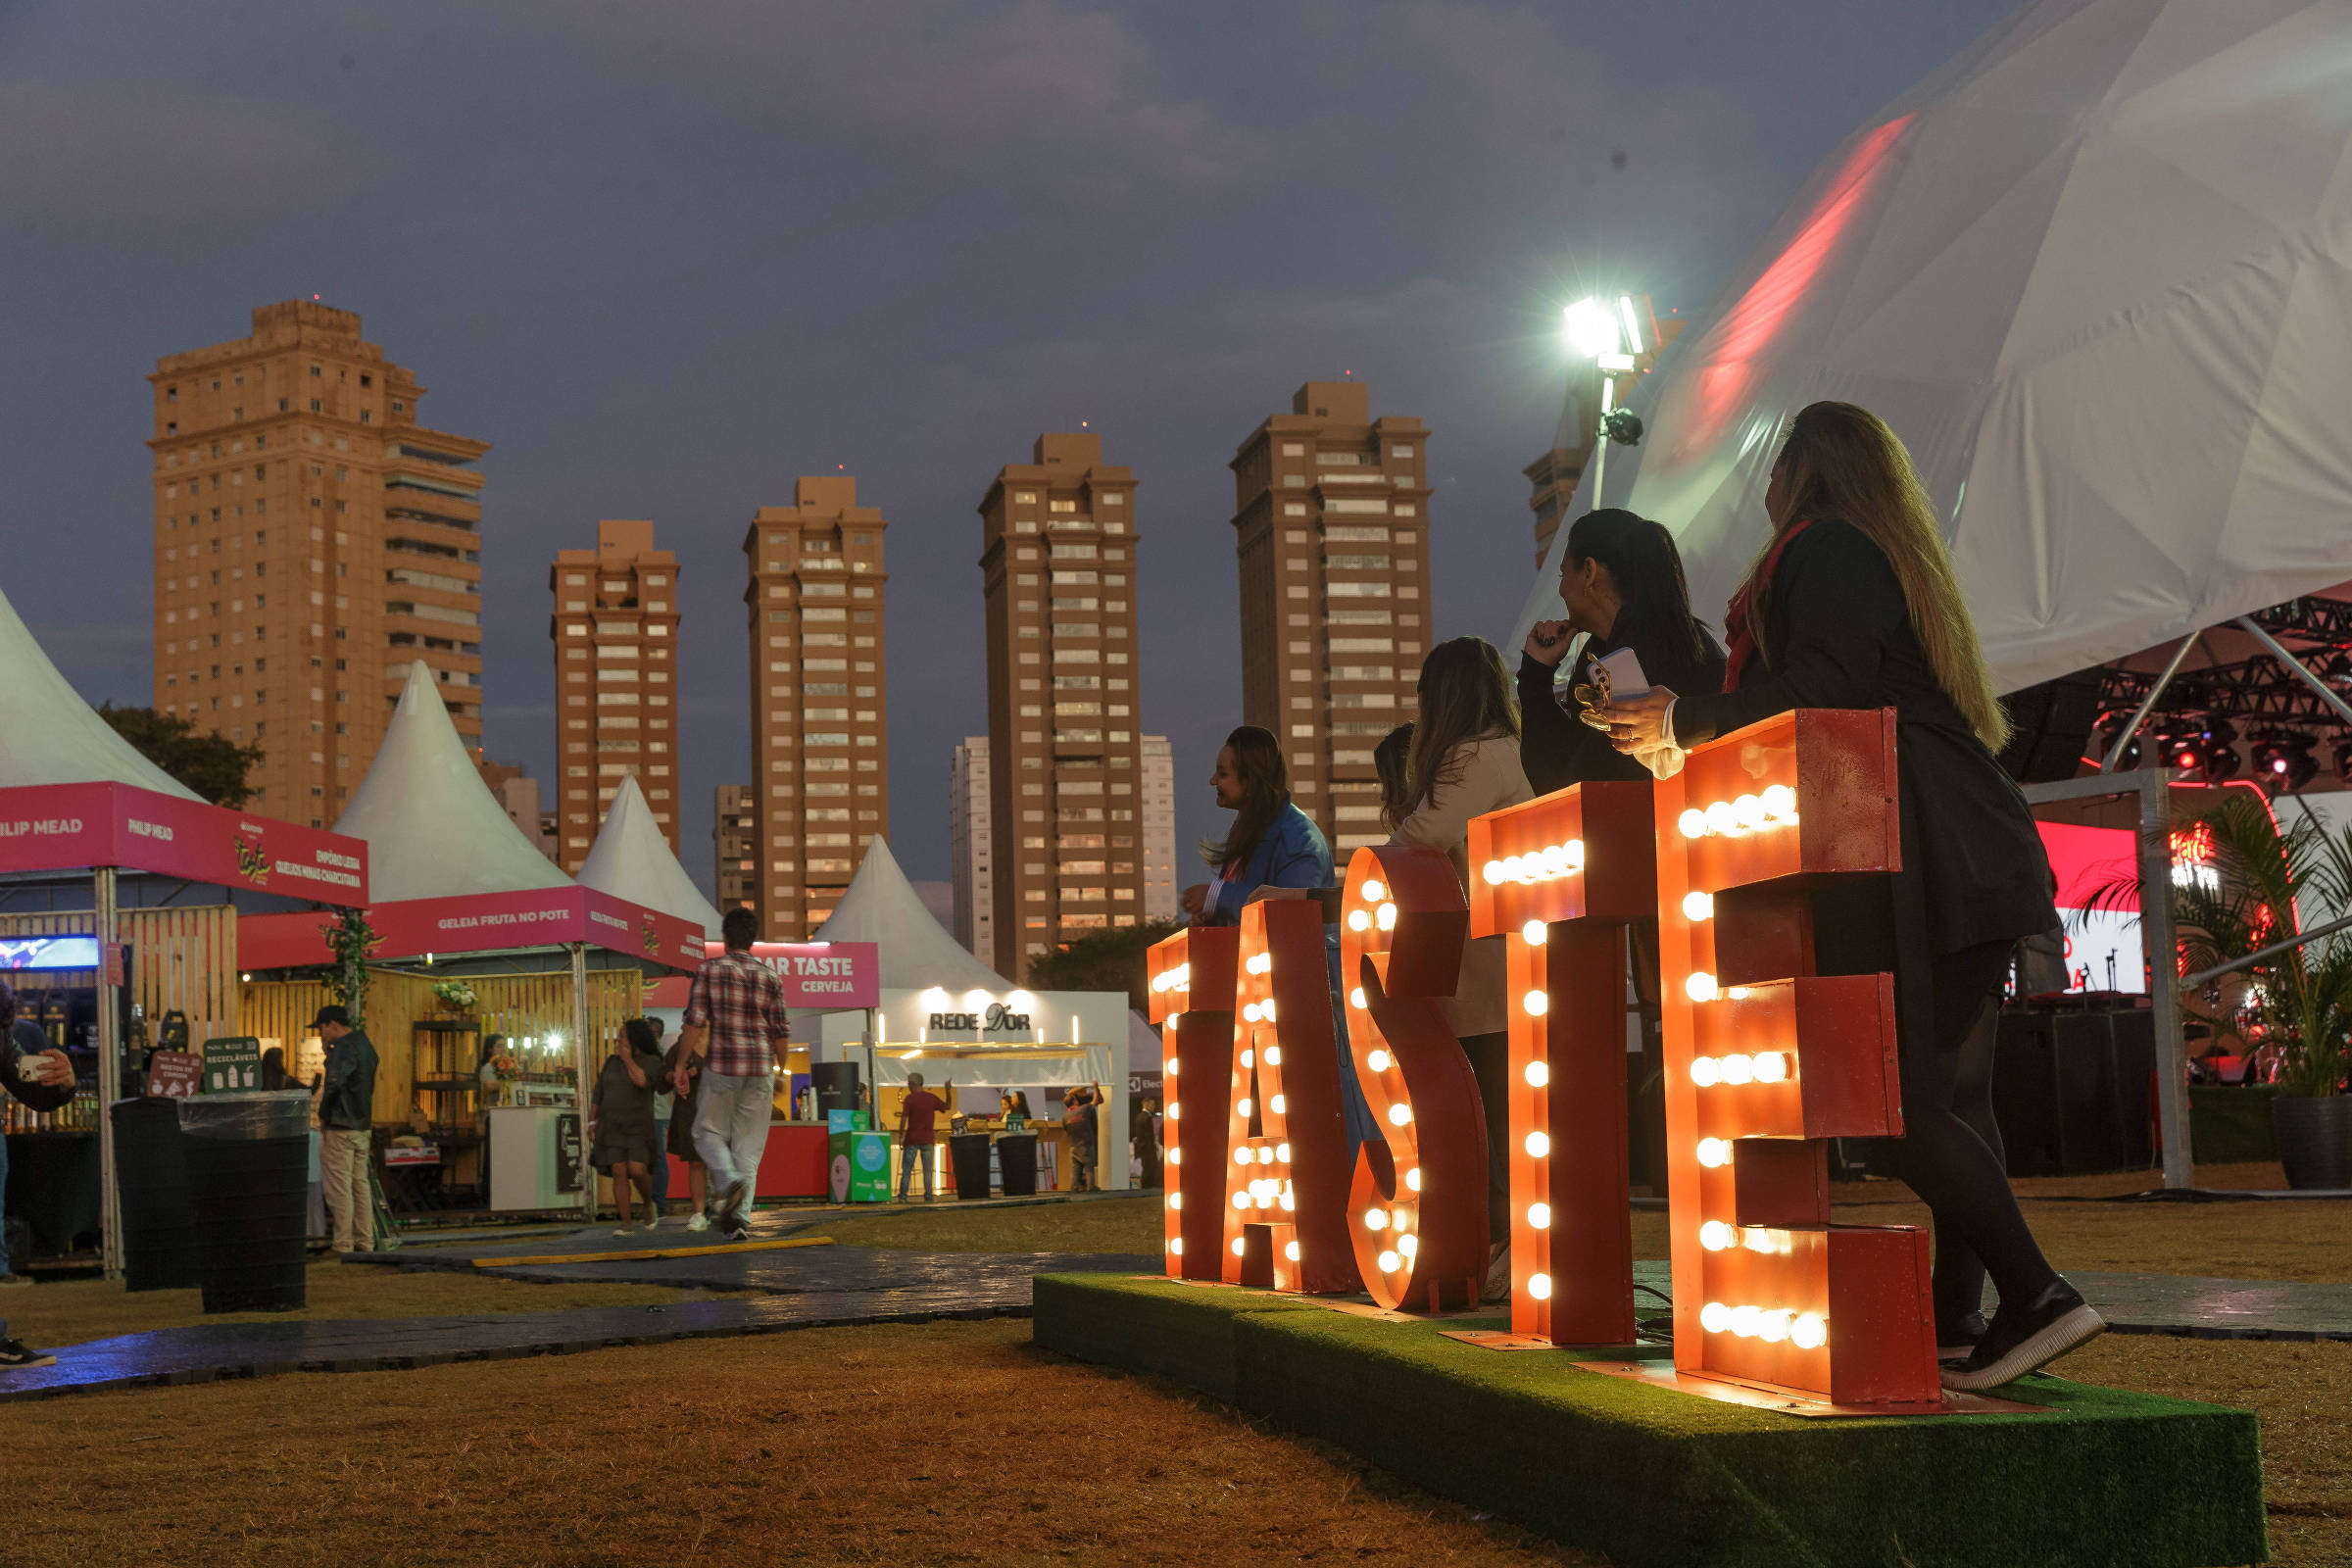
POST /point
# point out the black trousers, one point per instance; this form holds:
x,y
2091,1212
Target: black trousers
x,y
1491,1063
1950,1153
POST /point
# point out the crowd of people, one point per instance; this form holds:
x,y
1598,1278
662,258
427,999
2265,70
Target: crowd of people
x,y
1852,603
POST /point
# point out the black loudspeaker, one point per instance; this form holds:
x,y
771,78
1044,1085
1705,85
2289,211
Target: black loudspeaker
x,y
835,1085
2071,1091
2050,726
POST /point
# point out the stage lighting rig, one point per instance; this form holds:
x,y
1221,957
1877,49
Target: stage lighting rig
x,y
2283,760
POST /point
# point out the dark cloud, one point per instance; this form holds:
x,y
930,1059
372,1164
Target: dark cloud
x,y
668,257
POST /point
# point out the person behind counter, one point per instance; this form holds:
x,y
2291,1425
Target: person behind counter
x,y
41,1076
1013,1103
1853,604
918,1127
620,1120
346,1092
1465,764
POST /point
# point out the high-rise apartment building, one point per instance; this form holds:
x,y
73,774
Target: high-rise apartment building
x,y
312,542
735,836
972,845
1556,474
1159,830
1065,761
519,793
820,739
1332,523
616,633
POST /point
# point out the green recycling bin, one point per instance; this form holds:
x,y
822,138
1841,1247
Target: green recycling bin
x,y
860,1167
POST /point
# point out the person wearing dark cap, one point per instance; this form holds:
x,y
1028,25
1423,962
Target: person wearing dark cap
x,y
346,1093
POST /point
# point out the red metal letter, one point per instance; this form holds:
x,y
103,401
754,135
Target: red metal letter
x,y
1196,1048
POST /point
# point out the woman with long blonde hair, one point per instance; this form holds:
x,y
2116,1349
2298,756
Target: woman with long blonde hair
x,y
1853,604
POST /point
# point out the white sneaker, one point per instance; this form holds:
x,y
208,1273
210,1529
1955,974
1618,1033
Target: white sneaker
x,y
625,1230
652,1222
700,1222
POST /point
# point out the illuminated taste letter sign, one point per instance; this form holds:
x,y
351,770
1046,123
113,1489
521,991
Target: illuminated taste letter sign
x,y
1285,1138
1560,878
1765,1058
1192,975
1418,1206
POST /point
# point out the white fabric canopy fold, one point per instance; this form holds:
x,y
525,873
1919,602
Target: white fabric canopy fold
x,y
880,906
2097,274
48,735
631,859
432,826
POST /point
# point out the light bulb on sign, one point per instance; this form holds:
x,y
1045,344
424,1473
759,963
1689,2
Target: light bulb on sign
x,y
1413,1180
1290,1199
1282,1152
1387,918
1714,1152
1493,872
1237,1248
1693,824
1249,1058
1701,986
1749,810
1715,1236
1273,1052
1376,1058
1771,1067
1538,1144
1388,1262
1539,1286
1175,1199
1265,1012
1714,1317
1534,933
1536,1075
1171,1069
1265,1156
1809,1331
1702,1071
1249,1012
1744,1321
1780,802
1175,1156
1290,1249
1241,1200
1176,1246
1246,1106
1358,920
1698,906
1738,1069
1355,998
1241,1157
1536,1003
1374,892
1539,1215
1772,1327
1275,1102
1409,1244
1399,1114
1722,818
1756,1239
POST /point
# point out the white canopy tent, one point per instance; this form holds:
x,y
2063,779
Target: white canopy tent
x,y
432,826
48,735
632,859
1014,1038
2097,274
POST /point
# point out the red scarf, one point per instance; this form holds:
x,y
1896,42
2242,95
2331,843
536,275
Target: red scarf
x,y
1739,634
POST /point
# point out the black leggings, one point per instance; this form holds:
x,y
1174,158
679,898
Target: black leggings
x,y
1951,1152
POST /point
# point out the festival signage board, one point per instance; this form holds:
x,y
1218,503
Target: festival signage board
x,y
1559,879
174,1074
482,922
824,976
60,827
1765,1059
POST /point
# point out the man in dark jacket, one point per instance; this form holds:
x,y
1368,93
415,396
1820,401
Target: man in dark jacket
x,y
42,1077
346,1121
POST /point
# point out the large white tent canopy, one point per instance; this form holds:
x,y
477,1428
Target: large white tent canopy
x,y
2097,274
432,826
631,859
880,906
48,735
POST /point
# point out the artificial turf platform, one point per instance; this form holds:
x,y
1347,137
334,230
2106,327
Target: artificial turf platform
x,y
1650,1476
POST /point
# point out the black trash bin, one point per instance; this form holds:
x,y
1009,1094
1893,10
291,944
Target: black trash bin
x,y
249,1158
159,1246
1016,1164
968,1155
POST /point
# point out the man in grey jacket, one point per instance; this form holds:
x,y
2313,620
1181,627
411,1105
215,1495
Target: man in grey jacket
x,y
346,1121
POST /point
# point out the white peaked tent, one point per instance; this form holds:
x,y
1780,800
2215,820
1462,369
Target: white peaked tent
x,y
631,859
432,826
881,907
48,735
2097,274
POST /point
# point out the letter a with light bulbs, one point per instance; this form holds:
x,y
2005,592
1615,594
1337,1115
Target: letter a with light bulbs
x,y
1560,878
1195,1052
1418,1205
1766,1058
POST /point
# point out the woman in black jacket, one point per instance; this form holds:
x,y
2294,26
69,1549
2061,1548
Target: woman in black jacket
x,y
1620,582
1854,605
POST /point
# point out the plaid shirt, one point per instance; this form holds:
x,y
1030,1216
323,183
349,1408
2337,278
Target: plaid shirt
x,y
741,1001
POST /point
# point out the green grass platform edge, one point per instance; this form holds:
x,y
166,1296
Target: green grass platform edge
x,y
1648,1476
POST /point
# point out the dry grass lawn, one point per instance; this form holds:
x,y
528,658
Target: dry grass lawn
x,y
71,1311
951,1442
1082,1225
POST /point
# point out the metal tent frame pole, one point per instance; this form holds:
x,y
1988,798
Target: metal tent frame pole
x,y
2152,789
110,1073
584,1072
2172,667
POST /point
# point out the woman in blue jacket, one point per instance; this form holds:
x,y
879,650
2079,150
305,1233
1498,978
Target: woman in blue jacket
x,y
1272,843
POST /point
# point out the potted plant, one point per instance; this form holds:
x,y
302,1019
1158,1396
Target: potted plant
x,y
456,996
2267,884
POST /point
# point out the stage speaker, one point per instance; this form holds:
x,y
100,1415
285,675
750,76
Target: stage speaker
x,y
835,1085
2050,726
2069,1090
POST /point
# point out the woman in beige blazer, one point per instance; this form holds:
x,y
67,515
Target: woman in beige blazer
x,y
1464,763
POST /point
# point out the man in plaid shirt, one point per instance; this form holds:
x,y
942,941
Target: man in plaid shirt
x,y
735,1022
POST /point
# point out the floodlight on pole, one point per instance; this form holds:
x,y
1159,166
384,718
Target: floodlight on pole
x,y
1590,330
1610,338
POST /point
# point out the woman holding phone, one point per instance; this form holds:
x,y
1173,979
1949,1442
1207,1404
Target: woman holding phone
x,y
1853,604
